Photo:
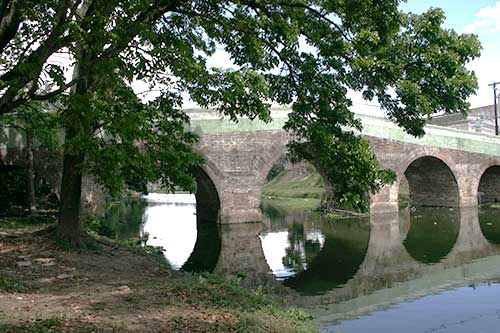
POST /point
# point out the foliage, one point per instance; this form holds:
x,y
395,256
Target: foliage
x,y
307,53
32,220
11,285
13,188
39,121
121,221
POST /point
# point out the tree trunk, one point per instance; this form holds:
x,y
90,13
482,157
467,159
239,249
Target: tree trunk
x,y
328,200
30,173
328,197
69,228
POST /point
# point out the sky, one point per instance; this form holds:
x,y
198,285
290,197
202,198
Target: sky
x,y
481,17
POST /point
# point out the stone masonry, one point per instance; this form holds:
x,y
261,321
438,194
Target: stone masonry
x,y
447,167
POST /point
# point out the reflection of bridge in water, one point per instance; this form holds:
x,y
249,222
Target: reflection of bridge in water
x,y
373,268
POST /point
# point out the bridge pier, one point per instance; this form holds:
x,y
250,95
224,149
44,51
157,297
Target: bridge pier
x,y
241,206
385,201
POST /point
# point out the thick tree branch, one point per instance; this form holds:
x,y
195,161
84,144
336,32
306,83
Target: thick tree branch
x,y
17,79
10,20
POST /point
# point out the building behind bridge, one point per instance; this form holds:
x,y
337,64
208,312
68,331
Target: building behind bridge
x,y
481,119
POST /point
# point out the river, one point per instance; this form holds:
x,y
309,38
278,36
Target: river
x,y
427,270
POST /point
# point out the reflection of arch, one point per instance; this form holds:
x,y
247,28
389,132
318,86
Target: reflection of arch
x,y
432,183
489,222
206,250
432,234
338,261
489,185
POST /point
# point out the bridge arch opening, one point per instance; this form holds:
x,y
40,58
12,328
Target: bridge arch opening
x,y
14,193
291,186
489,186
207,197
488,196
185,225
431,183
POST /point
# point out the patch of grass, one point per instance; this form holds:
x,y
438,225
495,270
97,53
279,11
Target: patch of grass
x,y
283,186
33,220
229,307
57,324
213,290
11,285
294,190
52,325
290,204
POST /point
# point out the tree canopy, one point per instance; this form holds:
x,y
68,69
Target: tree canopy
x,y
305,53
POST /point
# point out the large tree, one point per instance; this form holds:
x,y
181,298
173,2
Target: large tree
x,y
303,53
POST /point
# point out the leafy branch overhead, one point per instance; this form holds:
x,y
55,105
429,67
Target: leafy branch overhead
x,y
305,53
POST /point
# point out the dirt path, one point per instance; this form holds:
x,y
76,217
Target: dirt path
x,y
121,289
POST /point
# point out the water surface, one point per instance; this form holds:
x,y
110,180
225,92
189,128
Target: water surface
x,y
431,270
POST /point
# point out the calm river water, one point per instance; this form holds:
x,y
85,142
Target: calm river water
x,y
431,270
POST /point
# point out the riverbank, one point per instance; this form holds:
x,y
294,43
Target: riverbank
x,y
298,187
113,287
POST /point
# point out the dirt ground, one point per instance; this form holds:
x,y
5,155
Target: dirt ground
x,y
116,288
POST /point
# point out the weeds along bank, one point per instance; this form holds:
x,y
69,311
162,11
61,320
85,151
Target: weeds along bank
x,y
116,287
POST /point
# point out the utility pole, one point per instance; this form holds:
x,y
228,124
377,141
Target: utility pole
x,y
494,85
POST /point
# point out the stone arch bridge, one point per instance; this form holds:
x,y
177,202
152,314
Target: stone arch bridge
x,y
447,167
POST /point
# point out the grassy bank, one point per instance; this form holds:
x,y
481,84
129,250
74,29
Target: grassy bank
x,y
299,188
120,288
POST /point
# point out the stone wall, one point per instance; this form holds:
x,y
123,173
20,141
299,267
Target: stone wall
x,y
238,164
429,177
48,166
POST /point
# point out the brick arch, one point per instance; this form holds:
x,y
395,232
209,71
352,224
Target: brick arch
x,y
276,152
274,155
431,180
488,184
386,200
415,154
